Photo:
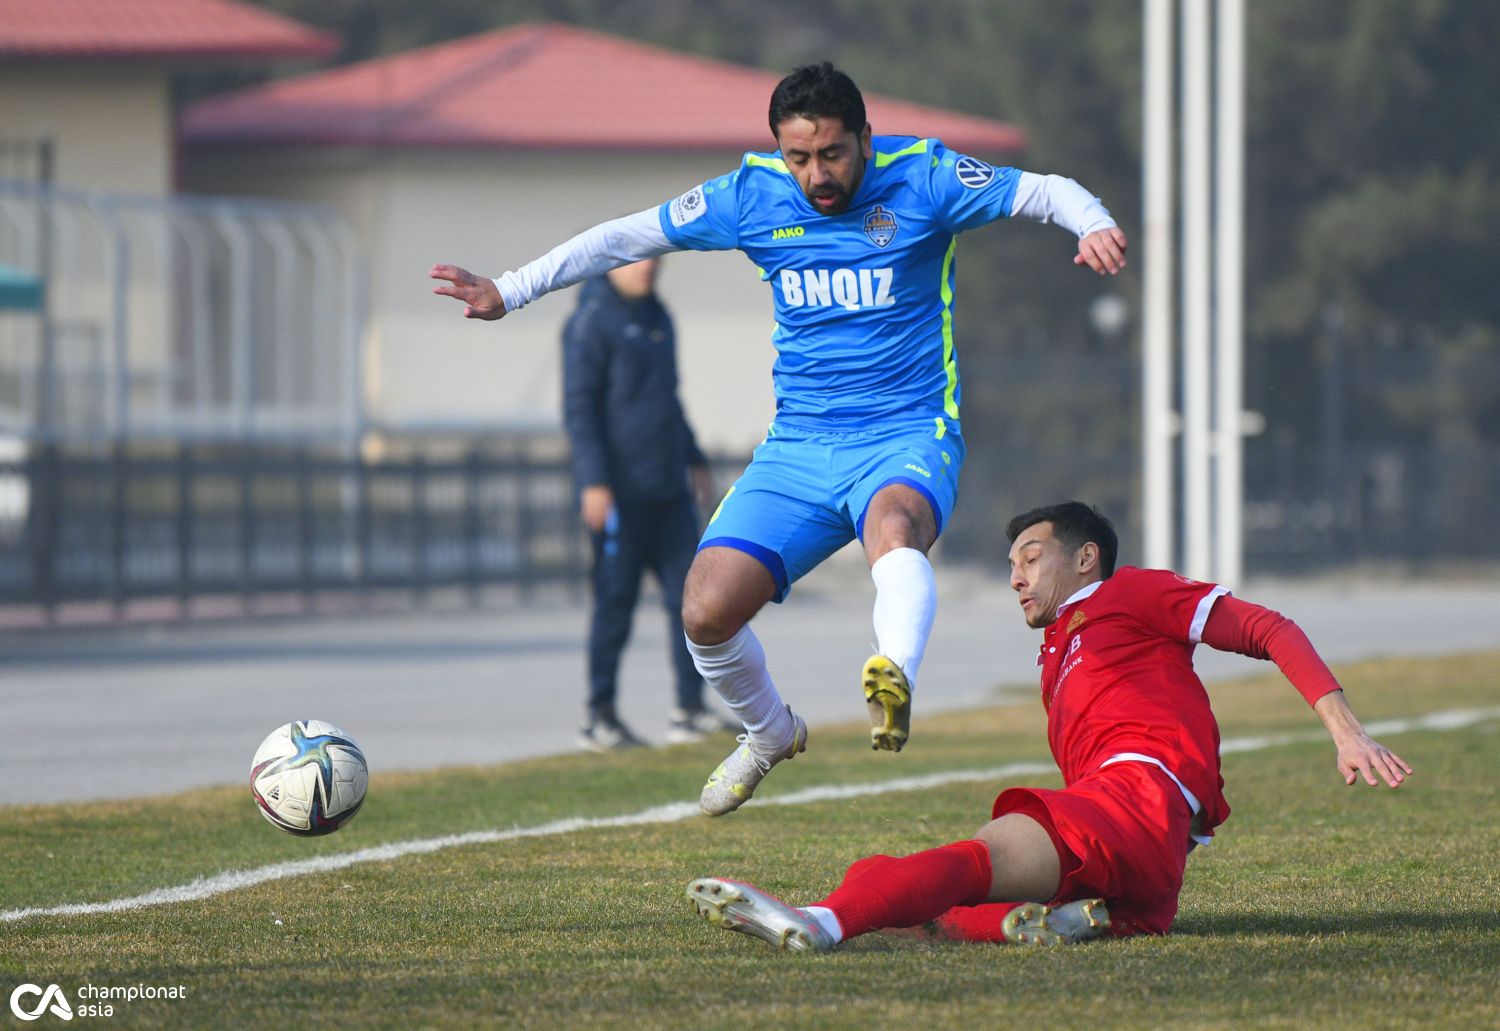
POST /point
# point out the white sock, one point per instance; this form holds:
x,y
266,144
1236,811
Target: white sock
x,y
736,669
826,920
905,605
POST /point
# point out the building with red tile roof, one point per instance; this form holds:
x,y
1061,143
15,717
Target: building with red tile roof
x,y
87,110
174,30
544,86
90,81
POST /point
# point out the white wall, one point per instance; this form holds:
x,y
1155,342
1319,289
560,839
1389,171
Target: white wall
x,y
111,124
111,128
490,211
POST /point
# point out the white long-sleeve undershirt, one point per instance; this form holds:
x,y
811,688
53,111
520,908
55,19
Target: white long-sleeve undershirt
x,y
592,252
1058,199
620,241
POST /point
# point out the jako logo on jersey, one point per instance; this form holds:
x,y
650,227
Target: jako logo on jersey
x,y
53,995
917,469
973,173
787,233
687,208
850,289
881,226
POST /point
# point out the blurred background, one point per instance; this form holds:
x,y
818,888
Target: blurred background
x,y
222,373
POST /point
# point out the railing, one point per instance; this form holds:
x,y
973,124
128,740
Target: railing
x,y
1419,504
187,317
181,520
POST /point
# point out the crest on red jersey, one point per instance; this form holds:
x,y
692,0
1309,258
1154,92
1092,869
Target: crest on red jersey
x,y
1076,621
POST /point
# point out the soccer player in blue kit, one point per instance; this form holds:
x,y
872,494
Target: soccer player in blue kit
x,y
855,234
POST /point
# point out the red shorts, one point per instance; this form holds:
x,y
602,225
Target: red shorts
x,y
1121,834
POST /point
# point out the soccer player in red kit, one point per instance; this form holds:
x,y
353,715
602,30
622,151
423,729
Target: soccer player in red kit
x,y
1130,726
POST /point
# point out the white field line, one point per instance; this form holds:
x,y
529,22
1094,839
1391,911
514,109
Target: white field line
x,y
676,812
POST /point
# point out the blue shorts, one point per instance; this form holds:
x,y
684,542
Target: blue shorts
x,y
805,492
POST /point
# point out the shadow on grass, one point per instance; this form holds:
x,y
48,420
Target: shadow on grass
x,y
1387,922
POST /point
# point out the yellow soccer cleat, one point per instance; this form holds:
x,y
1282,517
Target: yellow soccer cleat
x,y
1032,923
888,696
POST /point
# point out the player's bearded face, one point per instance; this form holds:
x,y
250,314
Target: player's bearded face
x,y
827,160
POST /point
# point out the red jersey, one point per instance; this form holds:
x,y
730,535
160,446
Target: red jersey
x,y
1118,680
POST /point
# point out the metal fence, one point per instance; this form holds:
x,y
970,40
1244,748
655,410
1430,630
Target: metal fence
x,y
1415,505
1412,504
187,317
182,520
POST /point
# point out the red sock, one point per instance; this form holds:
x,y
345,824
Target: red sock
x,y
884,892
860,866
973,923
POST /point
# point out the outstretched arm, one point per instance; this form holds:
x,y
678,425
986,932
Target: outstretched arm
x,y
1055,198
1359,754
1238,626
481,296
592,252
1103,251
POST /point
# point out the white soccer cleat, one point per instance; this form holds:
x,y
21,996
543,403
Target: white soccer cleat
x,y
736,906
734,781
1032,923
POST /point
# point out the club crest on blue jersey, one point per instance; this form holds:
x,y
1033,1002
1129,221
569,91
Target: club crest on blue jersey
x,y
973,173
881,226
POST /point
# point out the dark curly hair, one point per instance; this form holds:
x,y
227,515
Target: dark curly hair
x,y
818,91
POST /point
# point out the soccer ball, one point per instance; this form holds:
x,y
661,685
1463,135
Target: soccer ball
x,y
309,778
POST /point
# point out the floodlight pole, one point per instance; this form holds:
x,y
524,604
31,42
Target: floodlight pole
x,y
1158,517
1196,486
1229,294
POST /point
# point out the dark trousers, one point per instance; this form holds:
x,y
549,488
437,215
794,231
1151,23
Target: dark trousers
x,y
659,536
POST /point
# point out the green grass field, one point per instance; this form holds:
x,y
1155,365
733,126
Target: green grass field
x,y
1319,905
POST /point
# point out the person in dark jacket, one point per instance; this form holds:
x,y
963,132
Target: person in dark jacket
x,y
640,476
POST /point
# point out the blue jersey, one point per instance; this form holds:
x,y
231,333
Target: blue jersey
x,y
864,299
